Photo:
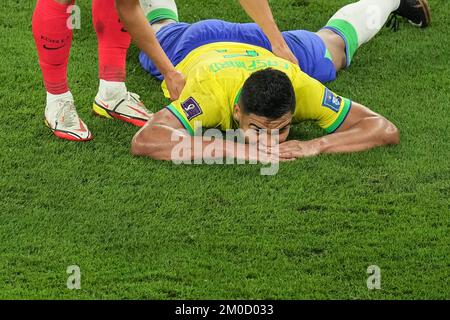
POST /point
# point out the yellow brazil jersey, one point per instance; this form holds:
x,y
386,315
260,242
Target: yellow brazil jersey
x,y
215,74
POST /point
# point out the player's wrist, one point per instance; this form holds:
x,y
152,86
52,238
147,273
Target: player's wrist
x,y
279,44
320,145
275,37
170,73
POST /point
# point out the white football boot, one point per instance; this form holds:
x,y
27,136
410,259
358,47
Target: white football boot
x,y
122,105
62,118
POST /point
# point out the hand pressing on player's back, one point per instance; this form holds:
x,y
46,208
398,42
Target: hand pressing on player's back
x,y
175,82
283,51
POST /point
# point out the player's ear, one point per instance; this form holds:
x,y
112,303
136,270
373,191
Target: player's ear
x,y
237,113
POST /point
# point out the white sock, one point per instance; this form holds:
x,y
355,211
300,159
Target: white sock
x,y
51,98
367,16
110,89
153,6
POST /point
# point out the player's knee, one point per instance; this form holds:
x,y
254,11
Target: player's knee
x,y
336,46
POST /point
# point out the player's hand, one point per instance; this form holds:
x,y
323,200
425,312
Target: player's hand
x,y
175,83
282,50
271,154
256,153
298,149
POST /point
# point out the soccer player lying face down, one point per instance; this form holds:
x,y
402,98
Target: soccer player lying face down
x,y
266,104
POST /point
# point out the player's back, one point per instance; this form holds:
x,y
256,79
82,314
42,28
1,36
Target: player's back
x,y
179,39
229,64
216,73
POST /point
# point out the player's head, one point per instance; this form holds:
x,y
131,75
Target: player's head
x,y
267,101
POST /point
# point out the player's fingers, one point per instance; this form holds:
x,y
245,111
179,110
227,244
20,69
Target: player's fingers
x,y
174,93
175,82
280,158
272,151
290,56
293,59
288,149
294,154
281,148
286,155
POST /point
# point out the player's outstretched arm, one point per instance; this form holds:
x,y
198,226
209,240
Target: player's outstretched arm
x,y
163,137
363,129
136,23
259,11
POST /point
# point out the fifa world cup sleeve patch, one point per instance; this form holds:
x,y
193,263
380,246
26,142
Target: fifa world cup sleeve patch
x,y
191,108
331,101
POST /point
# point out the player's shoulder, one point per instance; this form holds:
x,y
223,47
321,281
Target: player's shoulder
x,y
298,77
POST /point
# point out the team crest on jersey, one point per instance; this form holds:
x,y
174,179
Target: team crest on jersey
x,y
331,101
191,108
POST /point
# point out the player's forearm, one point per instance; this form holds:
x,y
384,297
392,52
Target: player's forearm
x,y
160,142
366,134
157,141
140,30
199,149
259,11
205,149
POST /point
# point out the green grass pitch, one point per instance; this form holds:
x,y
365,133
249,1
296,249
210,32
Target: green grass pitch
x,y
141,229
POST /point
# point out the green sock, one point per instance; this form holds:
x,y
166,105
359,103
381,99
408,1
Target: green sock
x,y
157,10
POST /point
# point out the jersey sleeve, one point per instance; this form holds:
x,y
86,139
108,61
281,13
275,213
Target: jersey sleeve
x,y
201,104
318,103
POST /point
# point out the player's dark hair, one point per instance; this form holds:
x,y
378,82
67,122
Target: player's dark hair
x,y
268,93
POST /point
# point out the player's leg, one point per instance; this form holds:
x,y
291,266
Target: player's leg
x,y
113,99
53,37
357,23
354,25
160,13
